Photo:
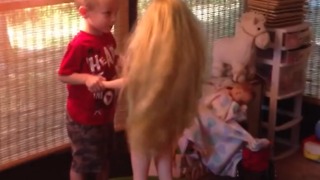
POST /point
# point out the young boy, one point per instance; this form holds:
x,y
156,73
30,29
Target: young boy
x,y
88,61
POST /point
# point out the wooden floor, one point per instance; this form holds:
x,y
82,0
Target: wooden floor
x,y
56,166
296,167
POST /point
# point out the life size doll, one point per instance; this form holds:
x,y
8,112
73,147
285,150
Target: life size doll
x,y
164,70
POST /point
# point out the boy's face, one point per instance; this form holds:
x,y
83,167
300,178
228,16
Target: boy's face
x,y
102,16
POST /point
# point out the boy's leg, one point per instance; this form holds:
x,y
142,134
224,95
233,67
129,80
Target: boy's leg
x,y
90,147
74,134
140,165
75,176
107,144
104,173
163,163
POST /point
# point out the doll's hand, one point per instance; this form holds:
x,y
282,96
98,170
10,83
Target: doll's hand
x,y
243,108
94,83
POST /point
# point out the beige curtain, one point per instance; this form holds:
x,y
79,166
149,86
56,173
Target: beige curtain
x,y
33,38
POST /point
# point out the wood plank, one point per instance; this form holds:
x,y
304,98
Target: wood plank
x,y
12,5
61,148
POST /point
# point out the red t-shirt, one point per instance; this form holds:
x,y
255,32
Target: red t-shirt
x,y
91,54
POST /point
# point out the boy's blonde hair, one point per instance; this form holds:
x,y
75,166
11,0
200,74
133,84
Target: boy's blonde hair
x,y
166,55
90,4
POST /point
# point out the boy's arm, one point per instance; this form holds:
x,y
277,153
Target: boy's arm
x,y
114,84
91,81
75,78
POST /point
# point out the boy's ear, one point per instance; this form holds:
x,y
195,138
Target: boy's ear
x,y
82,11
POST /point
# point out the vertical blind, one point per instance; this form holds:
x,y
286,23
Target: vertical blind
x,y
32,100
313,70
217,18
33,38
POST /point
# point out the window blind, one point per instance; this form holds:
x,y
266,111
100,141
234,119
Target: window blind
x,y
217,18
33,38
313,77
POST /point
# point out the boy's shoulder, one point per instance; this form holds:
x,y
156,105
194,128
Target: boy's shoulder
x,y
85,39
81,39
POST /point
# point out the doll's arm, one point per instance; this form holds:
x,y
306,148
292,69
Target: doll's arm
x,y
207,101
119,63
114,84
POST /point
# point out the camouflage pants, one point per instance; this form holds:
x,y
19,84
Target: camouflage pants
x,y
91,146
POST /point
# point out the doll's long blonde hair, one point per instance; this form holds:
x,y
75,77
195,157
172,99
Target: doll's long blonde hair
x,y
166,56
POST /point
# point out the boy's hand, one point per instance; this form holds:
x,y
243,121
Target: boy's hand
x,y
93,82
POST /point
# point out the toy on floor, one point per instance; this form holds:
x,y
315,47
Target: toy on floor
x,y
317,130
166,56
311,148
311,145
256,161
239,52
256,165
